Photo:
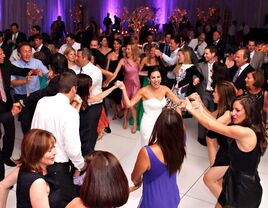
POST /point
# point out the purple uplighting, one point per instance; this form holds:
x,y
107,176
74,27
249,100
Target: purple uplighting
x,y
59,8
161,15
1,10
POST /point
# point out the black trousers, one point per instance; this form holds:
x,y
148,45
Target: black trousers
x,y
2,167
62,175
89,120
207,99
8,137
9,133
25,116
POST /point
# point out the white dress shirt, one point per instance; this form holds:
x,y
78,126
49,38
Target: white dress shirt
x,y
209,81
39,48
172,59
96,76
76,46
241,69
56,115
201,48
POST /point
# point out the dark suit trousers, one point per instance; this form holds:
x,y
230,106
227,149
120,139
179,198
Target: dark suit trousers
x,y
9,135
2,167
208,102
25,116
89,120
64,179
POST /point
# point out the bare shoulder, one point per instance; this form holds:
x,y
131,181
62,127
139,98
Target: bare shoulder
x,y
165,89
76,202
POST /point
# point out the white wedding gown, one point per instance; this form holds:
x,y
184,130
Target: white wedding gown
x,y
152,109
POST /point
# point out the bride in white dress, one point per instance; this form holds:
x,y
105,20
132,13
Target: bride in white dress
x,y
154,100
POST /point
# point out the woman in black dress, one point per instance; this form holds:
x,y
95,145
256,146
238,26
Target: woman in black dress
x,y
223,95
113,59
35,188
241,183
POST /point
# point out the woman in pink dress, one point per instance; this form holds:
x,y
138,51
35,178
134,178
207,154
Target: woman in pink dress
x,y
130,65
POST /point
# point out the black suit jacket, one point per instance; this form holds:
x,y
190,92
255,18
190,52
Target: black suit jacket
x,y
47,53
52,89
7,69
240,82
20,38
161,48
220,49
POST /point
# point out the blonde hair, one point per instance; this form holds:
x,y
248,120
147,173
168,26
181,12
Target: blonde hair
x,y
135,52
187,60
68,50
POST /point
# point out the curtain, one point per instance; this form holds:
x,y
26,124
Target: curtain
x,y
15,10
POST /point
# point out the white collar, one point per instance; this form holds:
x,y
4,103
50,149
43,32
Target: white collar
x,y
243,67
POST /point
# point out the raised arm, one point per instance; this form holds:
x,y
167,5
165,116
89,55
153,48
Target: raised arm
x,y
93,99
244,135
172,96
134,100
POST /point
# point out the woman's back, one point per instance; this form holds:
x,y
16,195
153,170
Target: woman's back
x,y
159,188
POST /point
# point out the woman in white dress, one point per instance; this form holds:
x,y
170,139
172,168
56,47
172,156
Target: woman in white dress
x,y
154,99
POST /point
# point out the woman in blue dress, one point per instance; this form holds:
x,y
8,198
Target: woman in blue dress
x,y
158,163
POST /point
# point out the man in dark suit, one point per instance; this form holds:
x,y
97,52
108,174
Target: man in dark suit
x,y
39,47
242,62
164,47
219,44
4,46
6,69
15,37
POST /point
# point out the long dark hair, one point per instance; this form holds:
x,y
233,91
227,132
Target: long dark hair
x,y
169,133
120,54
227,95
254,119
58,63
105,183
220,73
84,82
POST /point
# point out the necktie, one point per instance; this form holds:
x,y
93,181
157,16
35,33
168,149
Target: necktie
x,y
2,90
166,49
196,47
236,75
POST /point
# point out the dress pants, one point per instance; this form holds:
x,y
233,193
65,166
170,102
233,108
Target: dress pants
x,y
64,180
2,167
9,133
25,116
208,102
89,120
